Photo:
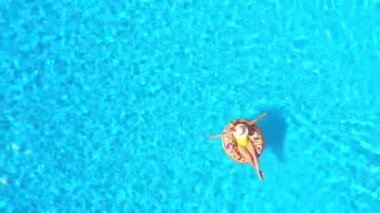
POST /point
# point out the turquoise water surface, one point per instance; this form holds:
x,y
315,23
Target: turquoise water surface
x,y
106,106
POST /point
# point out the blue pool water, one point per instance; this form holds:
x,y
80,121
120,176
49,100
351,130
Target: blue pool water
x,y
105,106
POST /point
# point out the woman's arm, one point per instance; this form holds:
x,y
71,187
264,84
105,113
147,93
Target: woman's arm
x,y
258,118
220,135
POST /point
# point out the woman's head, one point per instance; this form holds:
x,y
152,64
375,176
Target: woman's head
x,y
241,130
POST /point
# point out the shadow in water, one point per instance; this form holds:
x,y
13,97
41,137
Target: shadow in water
x,y
274,129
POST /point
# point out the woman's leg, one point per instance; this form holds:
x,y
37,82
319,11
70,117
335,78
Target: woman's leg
x,y
244,151
252,151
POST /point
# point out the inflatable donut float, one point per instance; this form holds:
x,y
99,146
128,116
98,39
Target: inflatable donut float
x,y
230,145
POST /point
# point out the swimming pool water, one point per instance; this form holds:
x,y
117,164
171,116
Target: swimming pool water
x,y
107,105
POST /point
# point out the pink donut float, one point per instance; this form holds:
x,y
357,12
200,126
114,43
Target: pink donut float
x,y
230,145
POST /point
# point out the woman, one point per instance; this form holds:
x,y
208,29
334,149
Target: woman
x,y
243,135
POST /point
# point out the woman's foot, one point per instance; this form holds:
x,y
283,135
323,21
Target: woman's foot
x,y
261,175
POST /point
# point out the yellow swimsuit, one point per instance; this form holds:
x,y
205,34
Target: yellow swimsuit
x,y
242,140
